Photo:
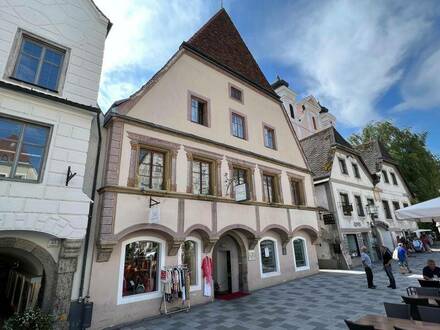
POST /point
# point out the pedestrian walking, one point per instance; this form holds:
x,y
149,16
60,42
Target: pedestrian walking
x,y
402,255
387,258
366,261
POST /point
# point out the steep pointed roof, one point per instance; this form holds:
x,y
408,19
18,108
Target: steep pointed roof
x,y
220,41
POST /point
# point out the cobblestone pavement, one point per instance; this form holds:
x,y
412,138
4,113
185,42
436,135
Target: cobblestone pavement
x,y
317,302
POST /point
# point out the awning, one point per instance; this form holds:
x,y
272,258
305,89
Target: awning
x,y
428,209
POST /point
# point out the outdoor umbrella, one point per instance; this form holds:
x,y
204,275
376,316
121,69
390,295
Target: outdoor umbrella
x,y
428,209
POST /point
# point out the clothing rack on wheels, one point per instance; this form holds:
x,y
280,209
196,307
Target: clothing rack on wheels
x,y
176,285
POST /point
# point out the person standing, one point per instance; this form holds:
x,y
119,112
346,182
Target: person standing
x,y
366,261
402,256
387,258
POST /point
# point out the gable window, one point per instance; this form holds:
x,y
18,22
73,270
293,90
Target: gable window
x,y
269,137
343,166
23,148
353,246
238,126
151,169
356,170
387,210
300,254
393,178
396,206
292,112
201,177
359,206
385,176
39,63
297,187
347,208
236,94
269,188
268,257
199,111
314,123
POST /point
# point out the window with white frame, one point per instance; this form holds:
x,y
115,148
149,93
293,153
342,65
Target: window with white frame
x,y
300,254
190,255
141,261
268,257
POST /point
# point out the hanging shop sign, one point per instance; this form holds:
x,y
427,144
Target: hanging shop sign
x,y
241,192
329,219
251,255
154,214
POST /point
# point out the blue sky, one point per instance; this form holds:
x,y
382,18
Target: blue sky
x,y
364,60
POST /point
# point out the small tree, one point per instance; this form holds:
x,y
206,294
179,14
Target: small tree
x,y
30,319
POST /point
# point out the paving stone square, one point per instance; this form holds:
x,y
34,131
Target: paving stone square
x,y
320,302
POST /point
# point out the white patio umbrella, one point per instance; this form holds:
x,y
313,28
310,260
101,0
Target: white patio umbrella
x,y
428,209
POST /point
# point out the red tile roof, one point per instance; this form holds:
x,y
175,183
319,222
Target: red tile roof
x,y
219,40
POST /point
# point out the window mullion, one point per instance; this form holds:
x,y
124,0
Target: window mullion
x,y
18,151
40,65
150,180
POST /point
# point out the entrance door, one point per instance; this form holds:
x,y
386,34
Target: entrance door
x,y
226,266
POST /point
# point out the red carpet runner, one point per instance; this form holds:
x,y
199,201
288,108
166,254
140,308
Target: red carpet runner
x,y
231,296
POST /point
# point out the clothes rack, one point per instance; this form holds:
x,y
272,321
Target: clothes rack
x,y
176,284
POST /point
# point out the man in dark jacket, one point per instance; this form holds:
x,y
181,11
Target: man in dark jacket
x,y
387,258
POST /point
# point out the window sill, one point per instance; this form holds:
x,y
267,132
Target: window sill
x,y
21,180
302,269
139,297
40,88
272,274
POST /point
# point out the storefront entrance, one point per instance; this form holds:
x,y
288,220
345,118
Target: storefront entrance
x,y
229,258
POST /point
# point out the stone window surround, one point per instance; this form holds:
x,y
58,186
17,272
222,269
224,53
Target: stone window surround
x,y
210,157
230,86
277,182
192,94
250,173
275,140
341,192
169,149
46,151
143,296
13,57
306,253
245,124
303,186
362,205
277,258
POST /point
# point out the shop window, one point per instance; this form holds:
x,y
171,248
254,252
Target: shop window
x,y
393,178
269,137
141,268
359,206
343,166
201,177
387,210
300,254
356,170
385,176
353,246
23,148
151,169
238,126
268,256
269,188
189,257
297,187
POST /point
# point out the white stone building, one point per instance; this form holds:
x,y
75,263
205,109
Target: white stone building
x,y
307,115
50,64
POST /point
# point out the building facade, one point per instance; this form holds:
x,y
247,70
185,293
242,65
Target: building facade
x,y
49,78
391,191
307,115
345,191
201,161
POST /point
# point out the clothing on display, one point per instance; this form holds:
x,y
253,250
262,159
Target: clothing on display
x,y
176,283
207,276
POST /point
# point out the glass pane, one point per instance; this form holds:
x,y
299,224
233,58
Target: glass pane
x,y
268,258
300,255
268,188
141,268
29,162
53,57
194,111
10,132
189,258
31,48
352,245
27,68
49,76
205,178
196,177
158,171
35,135
144,168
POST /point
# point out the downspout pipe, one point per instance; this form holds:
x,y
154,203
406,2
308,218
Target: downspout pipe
x,y
91,207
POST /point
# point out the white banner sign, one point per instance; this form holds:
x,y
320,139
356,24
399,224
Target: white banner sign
x,y
154,214
240,192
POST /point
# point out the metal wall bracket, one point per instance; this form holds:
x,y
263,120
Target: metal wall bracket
x,y
69,176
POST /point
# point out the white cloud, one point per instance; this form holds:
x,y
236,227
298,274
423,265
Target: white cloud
x,y
350,52
144,35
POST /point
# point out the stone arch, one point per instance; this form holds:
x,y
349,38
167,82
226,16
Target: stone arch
x,y
280,231
382,224
312,232
46,260
205,234
251,235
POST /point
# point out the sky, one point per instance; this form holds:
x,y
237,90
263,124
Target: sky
x,y
364,60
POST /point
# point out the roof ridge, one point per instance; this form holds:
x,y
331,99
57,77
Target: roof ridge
x,y
316,133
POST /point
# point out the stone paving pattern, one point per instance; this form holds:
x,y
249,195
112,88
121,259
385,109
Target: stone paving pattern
x,y
317,302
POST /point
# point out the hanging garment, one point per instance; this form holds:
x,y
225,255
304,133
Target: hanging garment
x,y
207,291
207,268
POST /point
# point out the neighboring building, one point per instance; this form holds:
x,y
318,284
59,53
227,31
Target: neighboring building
x,y
391,192
204,125
344,188
50,65
307,115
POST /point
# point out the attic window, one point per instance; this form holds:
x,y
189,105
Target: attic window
x,y
393,178
292,112
314,123
236,93
198,110
303,107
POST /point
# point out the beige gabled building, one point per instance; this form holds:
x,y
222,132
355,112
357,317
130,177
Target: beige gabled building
x,y
201,161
